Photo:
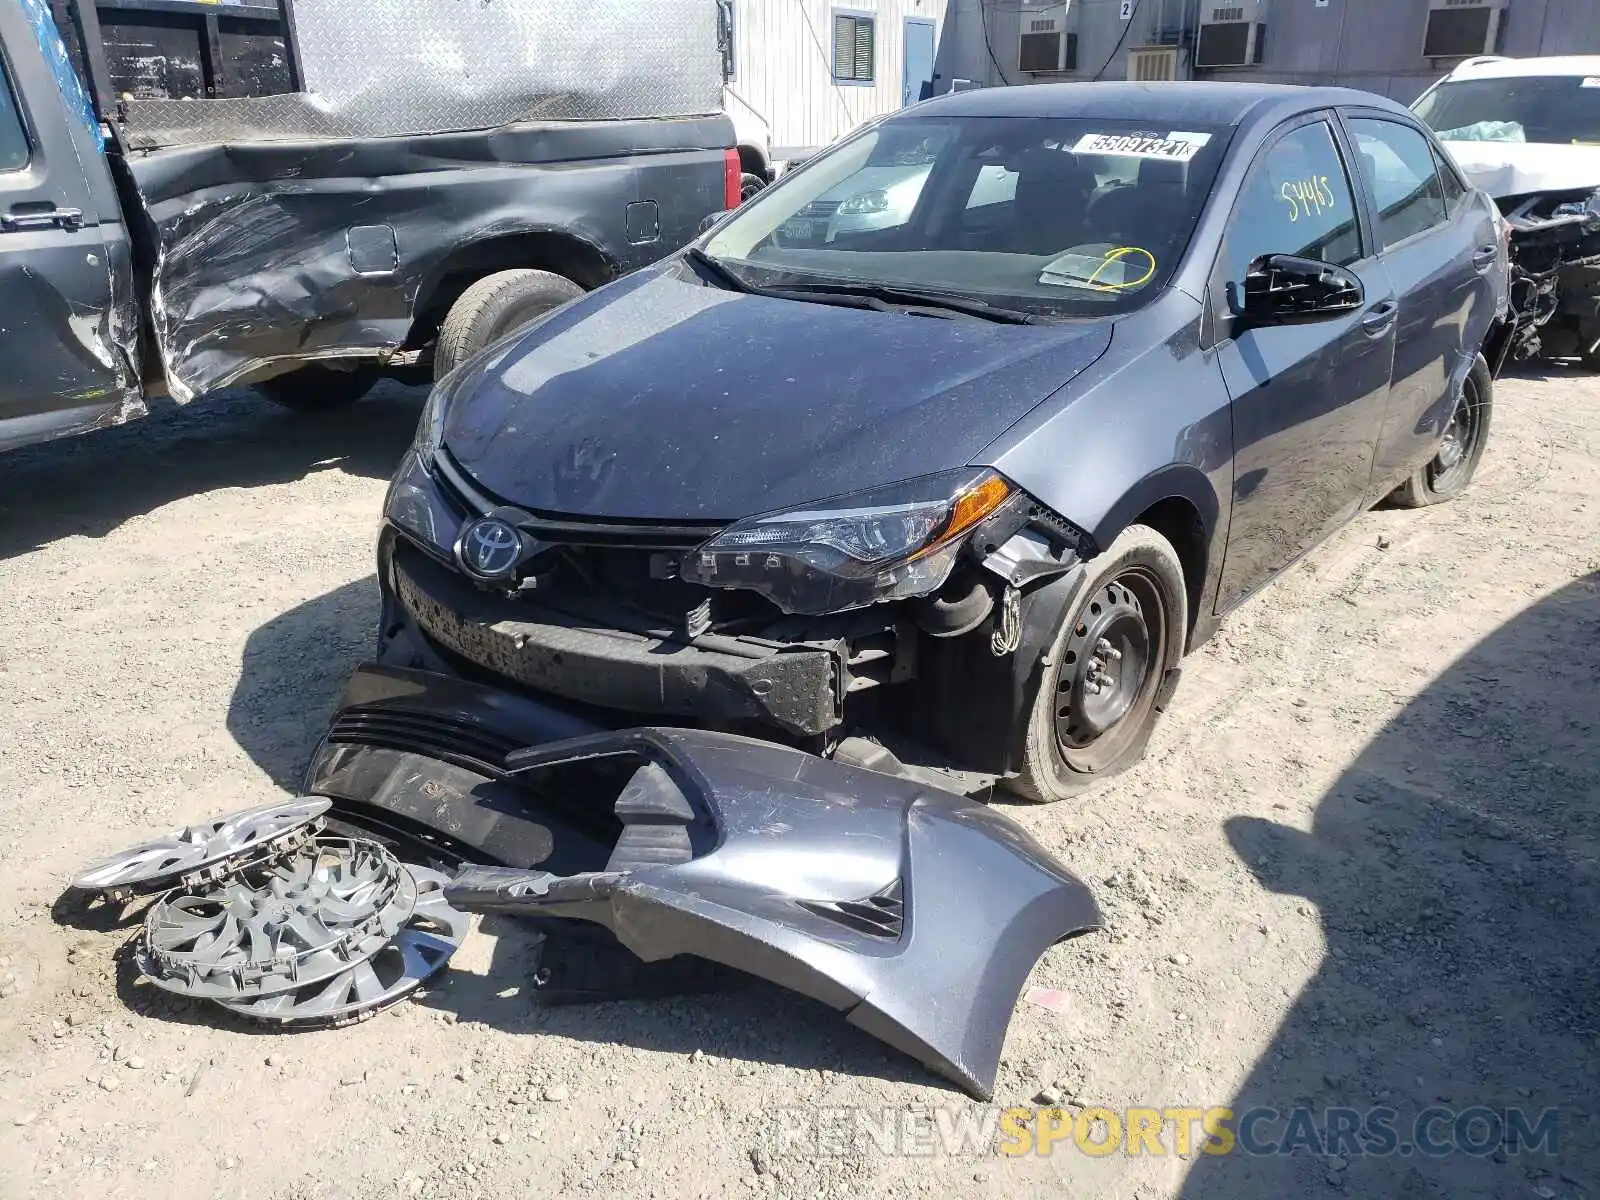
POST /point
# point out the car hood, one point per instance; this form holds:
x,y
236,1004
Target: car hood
x,y
1521,168
663,398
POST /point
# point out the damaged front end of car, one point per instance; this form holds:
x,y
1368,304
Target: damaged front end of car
x,y
915,912
1555,275
829,626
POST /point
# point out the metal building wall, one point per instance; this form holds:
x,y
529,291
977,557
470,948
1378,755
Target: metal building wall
x,y
1377,44
784,72
1104,39
1371,44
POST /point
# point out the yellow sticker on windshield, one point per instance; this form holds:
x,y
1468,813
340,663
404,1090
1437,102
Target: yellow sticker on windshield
x,y
1308,197
1175,147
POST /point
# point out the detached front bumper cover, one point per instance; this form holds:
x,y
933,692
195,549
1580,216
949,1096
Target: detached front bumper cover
x,y
915,912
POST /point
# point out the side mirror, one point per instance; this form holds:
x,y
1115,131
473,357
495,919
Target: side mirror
x,y
1281,289
710,220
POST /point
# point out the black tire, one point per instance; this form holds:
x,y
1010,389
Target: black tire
x,y
1589,345
493,307
1088,723
749,184
1450,471
319,388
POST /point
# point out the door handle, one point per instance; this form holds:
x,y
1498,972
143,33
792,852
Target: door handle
x,y
70,219
1380,319
1485,257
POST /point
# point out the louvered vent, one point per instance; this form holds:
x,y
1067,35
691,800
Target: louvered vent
x,y
879,915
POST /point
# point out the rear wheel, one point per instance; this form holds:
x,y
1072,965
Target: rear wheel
x,y
320,387
1109,667
493,307
749,185
1449,472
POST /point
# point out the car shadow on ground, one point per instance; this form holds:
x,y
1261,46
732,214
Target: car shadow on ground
x,y
90,485
675,1007
1543,370
1455,869
292,674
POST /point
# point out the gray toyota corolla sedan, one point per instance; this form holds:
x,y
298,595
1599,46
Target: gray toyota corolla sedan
x,y
956,488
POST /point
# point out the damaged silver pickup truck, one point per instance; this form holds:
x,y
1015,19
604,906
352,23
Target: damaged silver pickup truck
x,y
305,196
1527,131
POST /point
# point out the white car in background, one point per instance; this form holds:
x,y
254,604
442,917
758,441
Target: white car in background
x,y
1527,131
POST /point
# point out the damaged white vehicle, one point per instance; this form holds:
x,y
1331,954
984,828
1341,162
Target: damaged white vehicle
x,y
1527,131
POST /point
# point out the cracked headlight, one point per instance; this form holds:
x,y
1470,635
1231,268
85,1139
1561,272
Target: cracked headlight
x,y
889,543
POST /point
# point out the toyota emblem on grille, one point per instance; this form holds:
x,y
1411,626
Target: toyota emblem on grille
x,y
489,549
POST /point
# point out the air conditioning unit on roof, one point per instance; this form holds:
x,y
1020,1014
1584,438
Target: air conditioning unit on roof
x,y
1462,28
1045,43
1233,33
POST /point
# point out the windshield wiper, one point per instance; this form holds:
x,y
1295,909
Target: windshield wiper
x,y
862,295
899,298
723,272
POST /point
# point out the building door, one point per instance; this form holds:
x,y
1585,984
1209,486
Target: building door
x,y
917,66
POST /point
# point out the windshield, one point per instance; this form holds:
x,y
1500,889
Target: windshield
x,y
1051,216
1554,109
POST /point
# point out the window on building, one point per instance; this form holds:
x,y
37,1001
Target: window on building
x,y
1401,177
13,141
855,48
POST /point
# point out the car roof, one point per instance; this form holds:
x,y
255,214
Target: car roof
x,y
1202,103
1511,68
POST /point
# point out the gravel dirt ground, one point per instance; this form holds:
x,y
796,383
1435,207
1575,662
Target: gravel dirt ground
x,y
1359,868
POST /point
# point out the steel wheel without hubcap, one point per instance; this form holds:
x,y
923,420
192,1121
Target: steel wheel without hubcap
x,y
1110,669
1460,438
1461,445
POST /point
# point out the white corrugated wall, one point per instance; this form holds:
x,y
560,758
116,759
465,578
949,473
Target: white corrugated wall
x,y
784,73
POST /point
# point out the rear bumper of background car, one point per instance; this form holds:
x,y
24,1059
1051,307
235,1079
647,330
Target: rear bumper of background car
x,y
915,912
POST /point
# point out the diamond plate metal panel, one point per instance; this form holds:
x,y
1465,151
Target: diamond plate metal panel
x,y
392,67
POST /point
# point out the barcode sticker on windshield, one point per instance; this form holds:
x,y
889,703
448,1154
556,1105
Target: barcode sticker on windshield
x,y
1591,81
1178,147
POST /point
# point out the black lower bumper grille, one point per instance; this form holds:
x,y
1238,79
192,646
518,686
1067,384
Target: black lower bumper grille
x,y
439,736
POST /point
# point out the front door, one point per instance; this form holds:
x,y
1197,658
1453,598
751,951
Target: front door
x,y
60,365
917,66
1307,400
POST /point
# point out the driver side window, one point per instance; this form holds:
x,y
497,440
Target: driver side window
x,y
1296,200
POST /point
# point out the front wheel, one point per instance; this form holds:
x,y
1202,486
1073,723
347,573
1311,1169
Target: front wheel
x,y
1110,669
1589,337
1461,448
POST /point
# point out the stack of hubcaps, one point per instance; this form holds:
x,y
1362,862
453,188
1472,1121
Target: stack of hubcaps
x,y
261,915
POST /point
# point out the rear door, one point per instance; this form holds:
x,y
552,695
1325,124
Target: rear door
x,y
1307,400
60,366
1438,243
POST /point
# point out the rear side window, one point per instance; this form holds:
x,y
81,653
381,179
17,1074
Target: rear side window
x,y
13,142
1297,200
1454,189
1401,177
